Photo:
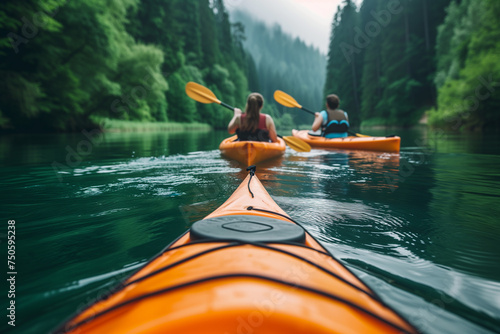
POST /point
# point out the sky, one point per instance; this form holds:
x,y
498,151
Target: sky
x,y
310,20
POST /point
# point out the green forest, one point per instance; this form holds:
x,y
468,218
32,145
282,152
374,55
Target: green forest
x,y
396,63
68,65
65,64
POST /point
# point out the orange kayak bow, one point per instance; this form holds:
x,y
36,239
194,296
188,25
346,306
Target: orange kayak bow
x,y
245,268
251,152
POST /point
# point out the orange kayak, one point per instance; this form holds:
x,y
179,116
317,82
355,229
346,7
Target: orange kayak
x,y
245,268
381,144
251,152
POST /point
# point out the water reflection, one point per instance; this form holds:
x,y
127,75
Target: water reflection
x,y
441,218
465,210
421,226
344,172
46,148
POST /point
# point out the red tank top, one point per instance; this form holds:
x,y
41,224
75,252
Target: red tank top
x,y
262,121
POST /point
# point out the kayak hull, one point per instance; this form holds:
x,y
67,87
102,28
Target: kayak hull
x,y
233,285
380,144
251,152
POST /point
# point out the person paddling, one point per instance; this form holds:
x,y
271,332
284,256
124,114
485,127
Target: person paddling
x,y
333,122
252,125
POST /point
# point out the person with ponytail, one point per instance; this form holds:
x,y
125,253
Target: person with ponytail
x,y
252,125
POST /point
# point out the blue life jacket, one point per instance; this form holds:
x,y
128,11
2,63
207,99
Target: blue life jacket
x,y
333,128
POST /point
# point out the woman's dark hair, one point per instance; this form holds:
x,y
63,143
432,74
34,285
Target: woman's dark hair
x,y
332,101
255,101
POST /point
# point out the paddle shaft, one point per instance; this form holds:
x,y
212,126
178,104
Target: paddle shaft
x,y
307,110
285,139
227,106
294,143
204,95
232,108
288,101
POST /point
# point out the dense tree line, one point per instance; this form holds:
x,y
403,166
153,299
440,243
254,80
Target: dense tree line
x,y
64,63
287,64
381,60
391,61
468,67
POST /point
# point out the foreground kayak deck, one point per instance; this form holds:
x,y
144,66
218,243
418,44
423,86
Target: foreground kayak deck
x,y
381,144
245,268
251,152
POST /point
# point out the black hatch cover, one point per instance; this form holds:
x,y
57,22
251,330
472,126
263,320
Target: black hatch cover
x,y
247,228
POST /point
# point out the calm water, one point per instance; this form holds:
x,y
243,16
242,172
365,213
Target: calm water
x,y
421,227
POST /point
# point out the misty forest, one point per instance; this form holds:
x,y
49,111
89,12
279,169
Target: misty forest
x,y
68,65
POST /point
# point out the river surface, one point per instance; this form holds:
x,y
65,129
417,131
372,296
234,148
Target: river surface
x,y
421,227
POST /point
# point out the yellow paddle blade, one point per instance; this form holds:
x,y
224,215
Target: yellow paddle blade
x,y
360,135
357,134
297,144
285,99
201,93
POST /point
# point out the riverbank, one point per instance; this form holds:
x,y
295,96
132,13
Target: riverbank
x,y
113,125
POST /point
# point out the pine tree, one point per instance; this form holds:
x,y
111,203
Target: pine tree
x,y
369,40
344,61
209,40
